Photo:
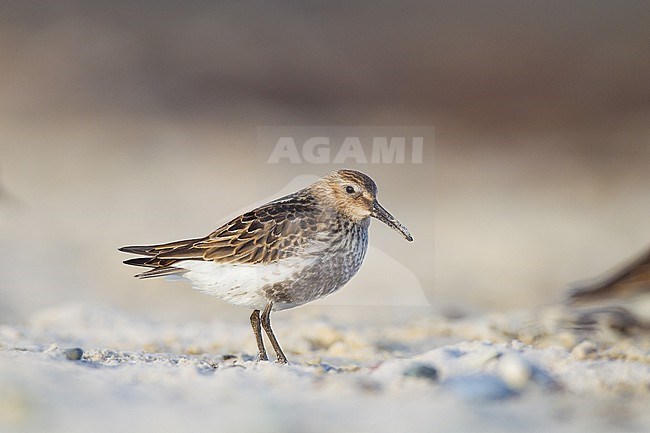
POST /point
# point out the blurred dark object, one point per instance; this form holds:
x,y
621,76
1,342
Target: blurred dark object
x,y
615,318
618,301
628,280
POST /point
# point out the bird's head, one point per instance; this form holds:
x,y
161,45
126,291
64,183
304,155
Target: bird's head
x,y
354,195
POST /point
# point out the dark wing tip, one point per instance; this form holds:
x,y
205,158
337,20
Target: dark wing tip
x,y
136,249
158,269
139,261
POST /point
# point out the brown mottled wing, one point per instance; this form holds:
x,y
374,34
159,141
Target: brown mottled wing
x,y
266,234
269,233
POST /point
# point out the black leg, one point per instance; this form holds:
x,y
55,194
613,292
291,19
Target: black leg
x,y
257,330
266,324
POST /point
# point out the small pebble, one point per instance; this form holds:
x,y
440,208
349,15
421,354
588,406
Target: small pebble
x,y
515,371
454,352
327,368
74,354
479,388
422,371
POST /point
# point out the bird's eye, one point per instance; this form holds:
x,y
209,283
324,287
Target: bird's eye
x,y
349,189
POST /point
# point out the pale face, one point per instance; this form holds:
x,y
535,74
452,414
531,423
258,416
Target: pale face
x,y
351,197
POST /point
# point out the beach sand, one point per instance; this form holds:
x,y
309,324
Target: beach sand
x,y
88,367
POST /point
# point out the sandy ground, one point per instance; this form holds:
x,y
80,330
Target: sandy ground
x,y
84,367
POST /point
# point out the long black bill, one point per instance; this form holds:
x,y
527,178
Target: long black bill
x,y
384,216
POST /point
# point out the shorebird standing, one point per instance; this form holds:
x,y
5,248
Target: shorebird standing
x,y
285,253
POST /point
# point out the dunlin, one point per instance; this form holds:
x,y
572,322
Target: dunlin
x,y
286,253
618,301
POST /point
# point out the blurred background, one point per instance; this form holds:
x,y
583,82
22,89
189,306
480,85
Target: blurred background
x,y
136,122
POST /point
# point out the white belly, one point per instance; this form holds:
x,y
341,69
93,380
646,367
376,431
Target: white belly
x,y
240,284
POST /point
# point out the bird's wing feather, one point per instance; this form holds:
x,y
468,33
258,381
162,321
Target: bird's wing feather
x,y
269,233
